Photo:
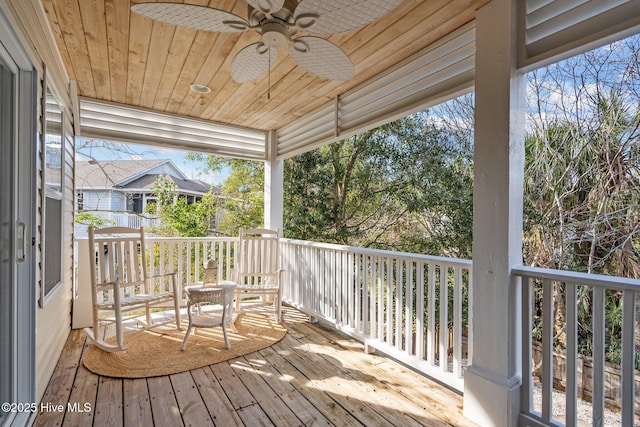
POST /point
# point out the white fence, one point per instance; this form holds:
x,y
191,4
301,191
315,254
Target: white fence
x,y
560,312
411,307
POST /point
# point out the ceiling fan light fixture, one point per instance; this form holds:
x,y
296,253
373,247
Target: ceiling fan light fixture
x,y
200,88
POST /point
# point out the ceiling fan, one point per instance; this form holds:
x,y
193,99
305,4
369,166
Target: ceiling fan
x,y
278,21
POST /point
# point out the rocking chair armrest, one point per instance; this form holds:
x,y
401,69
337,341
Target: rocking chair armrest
x,y
115,284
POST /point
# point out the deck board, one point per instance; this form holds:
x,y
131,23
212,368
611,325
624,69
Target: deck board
x,y
163,402
313,377
216,401
275,408
137,405
108,408
194,411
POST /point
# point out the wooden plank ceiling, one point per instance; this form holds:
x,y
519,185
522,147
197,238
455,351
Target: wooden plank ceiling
x,y
116,55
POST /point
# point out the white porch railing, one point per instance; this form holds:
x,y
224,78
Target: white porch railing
x,y
411,307
187,256
572,288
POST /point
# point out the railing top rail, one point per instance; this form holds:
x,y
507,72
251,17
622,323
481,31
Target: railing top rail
x,y
574,277
192,239
151,238
381,253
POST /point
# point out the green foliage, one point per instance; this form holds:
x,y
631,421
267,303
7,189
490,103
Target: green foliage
x,y
178,217
582,193
241,199
406,185
243,196
95,220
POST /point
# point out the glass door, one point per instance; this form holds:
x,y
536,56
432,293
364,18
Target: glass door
x,y
18,125
7,242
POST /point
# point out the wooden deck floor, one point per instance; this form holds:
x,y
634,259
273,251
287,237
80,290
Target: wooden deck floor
x,y
314,376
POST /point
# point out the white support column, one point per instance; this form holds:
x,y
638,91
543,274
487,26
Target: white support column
x,y
492,382
273,186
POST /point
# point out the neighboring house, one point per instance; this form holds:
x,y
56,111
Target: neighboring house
x,y
120,190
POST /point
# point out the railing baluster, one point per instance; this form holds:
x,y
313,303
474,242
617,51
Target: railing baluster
x,y
526,394
152,255
317,281
547,349
368,298
598,356
333,277
431,313
314,302
230,252
181,267
443,359
351,261
399,307
389,306
408,315
420,310
342,287
571,354
470,315
457,321
189,278
381,285
628,357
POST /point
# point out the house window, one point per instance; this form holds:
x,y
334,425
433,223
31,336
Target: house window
x,y
135,202
53,161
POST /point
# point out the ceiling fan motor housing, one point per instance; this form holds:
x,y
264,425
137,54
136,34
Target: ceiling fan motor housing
x,y
274,33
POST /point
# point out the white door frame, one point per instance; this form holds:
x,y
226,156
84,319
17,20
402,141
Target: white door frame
x,y
18,117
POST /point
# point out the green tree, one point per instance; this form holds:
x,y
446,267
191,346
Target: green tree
x,y
241,199
178,217
582,193
404,186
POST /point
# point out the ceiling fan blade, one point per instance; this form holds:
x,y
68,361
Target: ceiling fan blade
x,y
321,57
252,62
266,6
337,16
192,16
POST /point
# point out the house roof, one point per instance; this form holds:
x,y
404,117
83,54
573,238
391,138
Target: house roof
x,y
186,185
138,174
104,174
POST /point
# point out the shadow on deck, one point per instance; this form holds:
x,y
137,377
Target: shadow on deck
x,y
314,376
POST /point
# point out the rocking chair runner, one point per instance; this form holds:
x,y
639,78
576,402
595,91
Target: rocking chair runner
x,y
120,283
257,272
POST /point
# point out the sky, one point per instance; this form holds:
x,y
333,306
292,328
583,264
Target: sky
x,y
101,150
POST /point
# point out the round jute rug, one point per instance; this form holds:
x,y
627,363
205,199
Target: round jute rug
x,y
157,352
